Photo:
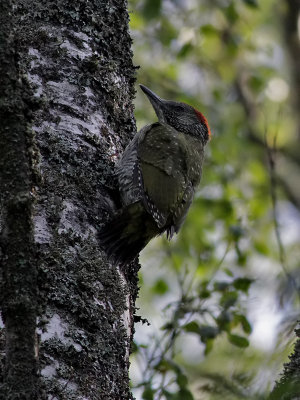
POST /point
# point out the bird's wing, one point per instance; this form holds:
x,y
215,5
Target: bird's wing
x,y
126,169
181,211
163,171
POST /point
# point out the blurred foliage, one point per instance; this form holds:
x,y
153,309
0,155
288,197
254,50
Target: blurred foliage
x,y
229,268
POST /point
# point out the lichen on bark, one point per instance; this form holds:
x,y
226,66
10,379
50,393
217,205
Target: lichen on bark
x,y
18,294
77,58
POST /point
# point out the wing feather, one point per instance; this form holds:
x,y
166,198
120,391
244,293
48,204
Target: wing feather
x,y
162,162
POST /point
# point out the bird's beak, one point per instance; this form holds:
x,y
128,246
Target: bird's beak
x,y
156,101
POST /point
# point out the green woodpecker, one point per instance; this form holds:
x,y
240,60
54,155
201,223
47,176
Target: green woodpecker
x,y
157,174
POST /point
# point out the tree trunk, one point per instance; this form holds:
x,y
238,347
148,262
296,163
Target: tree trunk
x,y
291,34
66,112
288,388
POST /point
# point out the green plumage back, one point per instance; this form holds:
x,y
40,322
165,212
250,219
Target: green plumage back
x,y
157,174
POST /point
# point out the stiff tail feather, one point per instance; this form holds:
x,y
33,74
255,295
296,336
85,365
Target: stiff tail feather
x,y
126,234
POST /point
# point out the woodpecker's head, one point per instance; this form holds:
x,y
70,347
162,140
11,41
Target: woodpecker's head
x,y
180,116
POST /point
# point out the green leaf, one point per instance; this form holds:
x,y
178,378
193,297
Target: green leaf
x,y
204,293
192,326
134,347
168,326
167,365
169,396
152,8
236,232
160,287
208,346
251,3
242,284
238,341
221,286
185,49
208,332
163,366
262,247
167,32
228,272
247,328
148,393
185,394
242,257
182,380
209,29
228,299
231,13
204,331
256,83
224,320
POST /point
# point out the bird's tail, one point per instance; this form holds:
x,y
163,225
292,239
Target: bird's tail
x,y
127,233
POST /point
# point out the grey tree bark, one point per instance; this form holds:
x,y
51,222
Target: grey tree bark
x,y
288,387
66,91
